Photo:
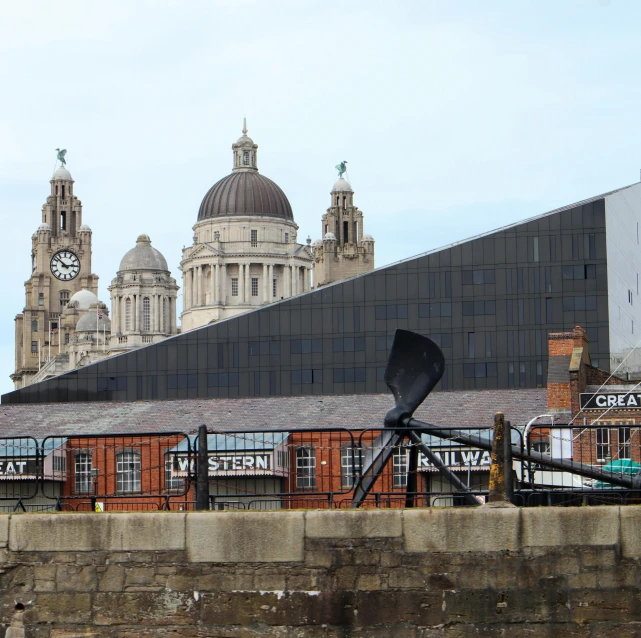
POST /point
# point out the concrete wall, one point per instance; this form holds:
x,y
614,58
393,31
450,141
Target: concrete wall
x,y
449,572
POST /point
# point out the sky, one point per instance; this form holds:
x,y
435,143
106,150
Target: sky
x,y
455,117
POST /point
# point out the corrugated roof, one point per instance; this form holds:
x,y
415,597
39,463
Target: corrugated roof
x,y
263,414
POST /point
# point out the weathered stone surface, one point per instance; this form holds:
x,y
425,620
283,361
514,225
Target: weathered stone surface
x,y
569,526
461,530
245,537
93,532
353,524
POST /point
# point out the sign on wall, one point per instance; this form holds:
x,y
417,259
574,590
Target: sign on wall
x,y
457,457
614,400
240,463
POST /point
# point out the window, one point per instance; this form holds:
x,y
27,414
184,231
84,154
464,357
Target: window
x,y
575,247
579,303
477,277
539,374
66,338
254,286
592,245
630,297
399,467
246,158
82,471
603,453
479,370
64,299
34,346
548,310
427,310
625,445
349,375
535,248
146,314
579,272
510,375
477,308
274,289
442,340
181,381
395,311
471,345
128,471
172,483
287,238
63,218
222,379
349,344
34,325
351,465
128,314
41,298
234,286
385,342
264,347
305,468
305,346
254,238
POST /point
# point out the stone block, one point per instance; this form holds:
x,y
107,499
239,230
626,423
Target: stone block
x,y
4,529
568,526
353,524
245,537
97,532
461,530
630,518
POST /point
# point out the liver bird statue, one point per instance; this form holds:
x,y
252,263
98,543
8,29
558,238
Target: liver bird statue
x,y
341,168
61,156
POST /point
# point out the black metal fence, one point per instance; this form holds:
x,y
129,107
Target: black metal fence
x,y
317,468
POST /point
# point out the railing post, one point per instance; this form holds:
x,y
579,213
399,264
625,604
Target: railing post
x,y
500,488
202,476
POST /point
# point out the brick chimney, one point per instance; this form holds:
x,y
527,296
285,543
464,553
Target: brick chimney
x,y
568,355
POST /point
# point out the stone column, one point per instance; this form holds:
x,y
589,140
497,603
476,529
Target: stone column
x,y
136,299
292,274
199,285
270,283
248,291
265,298
186,289
114,317
215,283
223,283
241,283
158,311
212,275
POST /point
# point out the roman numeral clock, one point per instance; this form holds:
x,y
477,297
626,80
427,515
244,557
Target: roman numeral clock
x,y
65,265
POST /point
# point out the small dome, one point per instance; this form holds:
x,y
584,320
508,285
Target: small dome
x,y
84,298
84,229
318,242
44,226
90,322
62,173
368,238
245,140
330,236
143,257
342,185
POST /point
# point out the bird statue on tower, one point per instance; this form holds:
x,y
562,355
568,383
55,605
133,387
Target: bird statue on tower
x,y
61,156
341,168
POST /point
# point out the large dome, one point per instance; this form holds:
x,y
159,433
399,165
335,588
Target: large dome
x,y
84,298
245,193
143,257
91,322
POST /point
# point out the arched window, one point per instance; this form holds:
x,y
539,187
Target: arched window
x,y
82,467
246,158
66,338
64,300
128,314
34,325
146,314
128,471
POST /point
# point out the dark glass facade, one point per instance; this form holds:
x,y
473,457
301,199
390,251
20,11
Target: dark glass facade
x,y
489,302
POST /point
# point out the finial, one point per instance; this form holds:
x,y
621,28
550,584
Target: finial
x,y
244,126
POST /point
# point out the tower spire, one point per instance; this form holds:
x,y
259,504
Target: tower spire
x,y
244,126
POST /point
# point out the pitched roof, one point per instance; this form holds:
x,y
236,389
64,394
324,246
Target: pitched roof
x,y
265,413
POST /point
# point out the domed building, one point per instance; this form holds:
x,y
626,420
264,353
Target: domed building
x,y
143,298
245,252
90,341
345,250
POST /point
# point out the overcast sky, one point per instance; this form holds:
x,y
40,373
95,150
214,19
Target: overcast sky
x,y
455,117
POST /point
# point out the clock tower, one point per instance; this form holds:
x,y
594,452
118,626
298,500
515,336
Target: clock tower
x,y
60,267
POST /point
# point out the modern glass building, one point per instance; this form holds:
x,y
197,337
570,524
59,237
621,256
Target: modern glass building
x,y
488,301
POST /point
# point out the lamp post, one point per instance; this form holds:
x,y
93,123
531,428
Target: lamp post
x,y
94,479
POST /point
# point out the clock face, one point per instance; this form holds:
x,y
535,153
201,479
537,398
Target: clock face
x,y
65,265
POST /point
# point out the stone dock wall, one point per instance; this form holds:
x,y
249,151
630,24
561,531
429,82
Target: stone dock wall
x,y
535,572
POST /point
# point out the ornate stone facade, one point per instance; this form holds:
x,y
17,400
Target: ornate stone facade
x,y
244,252
60,267
143,298
345,251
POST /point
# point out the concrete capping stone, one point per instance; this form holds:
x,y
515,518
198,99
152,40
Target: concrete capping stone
x,y
97,532
630,520
567,526
245,537
4,530
461,530
353,524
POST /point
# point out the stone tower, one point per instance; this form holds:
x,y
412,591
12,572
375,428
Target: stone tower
x,y
344,251
60,267
143,298
244,252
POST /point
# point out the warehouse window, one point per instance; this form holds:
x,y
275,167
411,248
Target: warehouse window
x,y
351,465
305,468
603,452
128,471
254,238
399,467
82,472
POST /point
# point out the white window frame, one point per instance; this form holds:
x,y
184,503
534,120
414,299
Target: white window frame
x,y
351,465
128,471
83,483
305,467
